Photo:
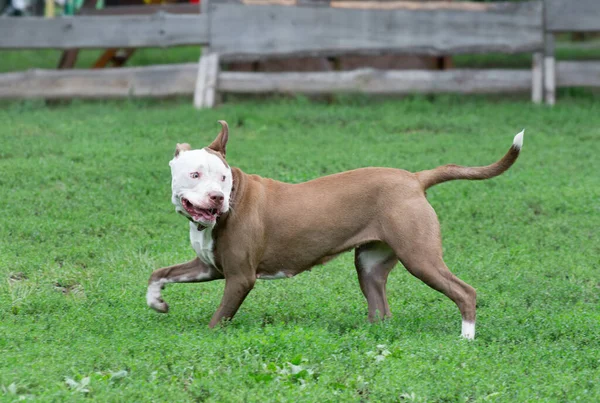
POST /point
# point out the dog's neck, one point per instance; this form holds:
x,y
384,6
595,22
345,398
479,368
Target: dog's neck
x,y
205,238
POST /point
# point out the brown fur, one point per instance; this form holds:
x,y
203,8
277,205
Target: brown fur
x,y
181,148
277,227
451,172
220,143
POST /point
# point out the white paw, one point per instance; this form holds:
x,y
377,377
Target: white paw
x,y
468,330
154,300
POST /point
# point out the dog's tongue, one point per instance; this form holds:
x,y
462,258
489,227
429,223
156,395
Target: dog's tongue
x,y
206,214
198,213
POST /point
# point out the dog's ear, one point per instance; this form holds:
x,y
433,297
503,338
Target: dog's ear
x,y
220,142
181,148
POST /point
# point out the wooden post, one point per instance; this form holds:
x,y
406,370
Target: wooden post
x,y
208,71
206,83
49,10
549,69
537,78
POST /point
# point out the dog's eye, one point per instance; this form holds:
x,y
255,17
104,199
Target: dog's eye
x,y
223,178
195,175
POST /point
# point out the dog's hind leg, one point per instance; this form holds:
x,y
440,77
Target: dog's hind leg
x,y
373,262
417,243
194,271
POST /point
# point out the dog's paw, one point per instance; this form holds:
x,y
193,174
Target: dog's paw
x,y
159,305
468,330
154,300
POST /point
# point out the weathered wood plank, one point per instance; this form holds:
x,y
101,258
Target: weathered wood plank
x,y
572,15
180,79
103,32
549,69
154,81
578,74
206,84
412,5
200,80
378,81
212,76
537,78
241,32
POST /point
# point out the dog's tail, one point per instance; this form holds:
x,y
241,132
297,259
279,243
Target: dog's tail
x,y
446,173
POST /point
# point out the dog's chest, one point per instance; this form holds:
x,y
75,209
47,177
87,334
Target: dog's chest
x,y
203,244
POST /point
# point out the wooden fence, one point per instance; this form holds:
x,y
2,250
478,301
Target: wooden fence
x,y
569,16
231,31
153,81
87,32
253,32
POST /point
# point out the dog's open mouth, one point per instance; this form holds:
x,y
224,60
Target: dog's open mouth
x,y
199,214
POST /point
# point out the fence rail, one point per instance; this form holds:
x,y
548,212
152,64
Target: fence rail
x,y
371,81
234,30
578,74
160,29
568,16
250,32
572,15
152,81
180,79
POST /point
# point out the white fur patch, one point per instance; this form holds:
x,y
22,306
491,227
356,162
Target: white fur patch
x,y
203,244
153,295
468,330
518,141
372,257
276,276
213,176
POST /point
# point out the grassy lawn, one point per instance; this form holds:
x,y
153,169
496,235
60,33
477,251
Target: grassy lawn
x,y
86,217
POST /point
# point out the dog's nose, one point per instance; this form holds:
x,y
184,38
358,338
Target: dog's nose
x,y
216,197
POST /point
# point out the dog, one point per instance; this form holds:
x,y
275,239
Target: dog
x,y
244,227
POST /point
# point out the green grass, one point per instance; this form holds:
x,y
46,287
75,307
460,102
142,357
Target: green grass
x,y
565,50
86,217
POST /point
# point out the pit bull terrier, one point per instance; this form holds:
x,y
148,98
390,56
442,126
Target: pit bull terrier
x,y
245,227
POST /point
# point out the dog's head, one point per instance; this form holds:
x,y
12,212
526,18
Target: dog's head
x,y
202,180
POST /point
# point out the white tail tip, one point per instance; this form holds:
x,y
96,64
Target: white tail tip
x,y
518,141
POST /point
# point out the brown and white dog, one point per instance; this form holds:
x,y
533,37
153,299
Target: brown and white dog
x,y
245,227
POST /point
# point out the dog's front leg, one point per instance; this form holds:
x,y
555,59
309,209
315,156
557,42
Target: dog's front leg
x,y
194,271
236,289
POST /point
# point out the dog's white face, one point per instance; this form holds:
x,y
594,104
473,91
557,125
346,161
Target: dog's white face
x,y
201,185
